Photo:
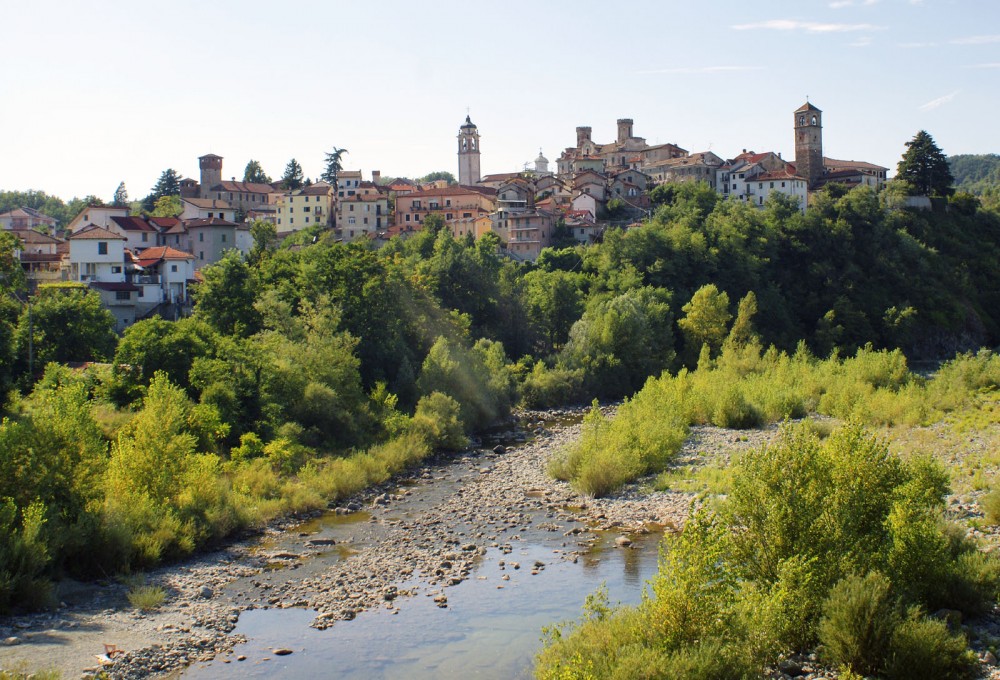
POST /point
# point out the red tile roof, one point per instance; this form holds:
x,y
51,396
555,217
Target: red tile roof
x,y
151,256
96,233
210,222
132,223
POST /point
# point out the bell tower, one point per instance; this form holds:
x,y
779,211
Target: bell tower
x,y
211,173
468,153
809,142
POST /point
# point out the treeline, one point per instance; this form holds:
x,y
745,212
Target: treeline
x,y
314,368
978,174
53,206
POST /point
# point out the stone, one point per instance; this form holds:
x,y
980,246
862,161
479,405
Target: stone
x,y
282,651
989,659
321,541
499,448
11,641
206,593
623,542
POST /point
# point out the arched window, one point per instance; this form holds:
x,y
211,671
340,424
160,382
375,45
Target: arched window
x,y
814,120
802,120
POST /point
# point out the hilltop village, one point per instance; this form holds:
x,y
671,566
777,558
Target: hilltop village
x,y
144,265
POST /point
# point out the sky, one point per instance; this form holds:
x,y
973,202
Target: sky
x,y
96,93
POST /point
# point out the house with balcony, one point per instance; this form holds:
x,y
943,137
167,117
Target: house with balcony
x,y
452,203
528,232
40,255
306,207
27,218
169,268
363,213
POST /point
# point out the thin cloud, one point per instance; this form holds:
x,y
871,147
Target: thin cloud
x,y
940,101
916,45
807,26
976,40
993,64
702,69
861,42
841,4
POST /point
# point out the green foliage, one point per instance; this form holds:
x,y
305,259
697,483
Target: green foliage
x,y
437,175
705,319
859,618
925,649
292,178
169,184
65,325
925,167
225,297
478,379
24,556
255,174
167,206
146,597
621,340
333,166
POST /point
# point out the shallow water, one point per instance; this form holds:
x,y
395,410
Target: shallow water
x,y
485,632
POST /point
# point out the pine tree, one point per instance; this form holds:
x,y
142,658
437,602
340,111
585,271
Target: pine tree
x,y
254,173
925,167
292,178
333,166
121,196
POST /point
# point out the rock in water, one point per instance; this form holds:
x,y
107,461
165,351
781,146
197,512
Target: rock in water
x,y
282,652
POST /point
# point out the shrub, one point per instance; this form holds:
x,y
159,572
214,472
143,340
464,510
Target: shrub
x,y
438,421
733,411
146,597
924,649
859,618
991,507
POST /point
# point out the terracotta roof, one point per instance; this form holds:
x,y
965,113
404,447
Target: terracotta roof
x,y
323,189
151,256
244,187
29,212
807,107
96,233
454,191
500,177
209,203
40,257
32,236
132,223
209,155
767,176
178,228
850,165
165,222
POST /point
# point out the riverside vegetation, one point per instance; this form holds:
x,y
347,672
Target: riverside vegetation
x,y
313,369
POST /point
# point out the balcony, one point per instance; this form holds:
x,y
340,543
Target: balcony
x,y
146,280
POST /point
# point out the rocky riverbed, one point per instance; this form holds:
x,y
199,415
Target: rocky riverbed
x,y
421,535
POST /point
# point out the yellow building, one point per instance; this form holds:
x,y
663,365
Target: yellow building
x,y
305,207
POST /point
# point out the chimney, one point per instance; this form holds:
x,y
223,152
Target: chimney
x,y
376,176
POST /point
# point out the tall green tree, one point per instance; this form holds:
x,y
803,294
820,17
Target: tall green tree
x,y
255,173
926,167
705,320
121,196
292,178
169,184
436,175
167,206
225,298
65,325
333,166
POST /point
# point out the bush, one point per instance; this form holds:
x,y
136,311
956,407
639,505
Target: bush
x,y
859,618
146,597
924,649
439,422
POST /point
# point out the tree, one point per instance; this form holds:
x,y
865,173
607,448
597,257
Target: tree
x,y
333,166
705,320
926,167
292,179
167,206
255,174
169,184
121,196
226,295
436,175
65,324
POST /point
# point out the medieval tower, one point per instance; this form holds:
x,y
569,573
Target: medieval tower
x,y
809,142
211,173
468,153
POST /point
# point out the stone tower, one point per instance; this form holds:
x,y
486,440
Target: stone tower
x,y
624,129
809,142
582,135
211,173
468,153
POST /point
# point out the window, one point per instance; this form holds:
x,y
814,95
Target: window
x,y
173,267
448,216
201,255
782,185
116,270
123,295
145,237
350,220
351,208
223,238
306,208
201,237
407,218
447,202
102,247
365,221
466,214
772,185
307,219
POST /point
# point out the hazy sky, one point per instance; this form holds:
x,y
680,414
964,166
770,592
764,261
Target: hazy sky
x,y
94,93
